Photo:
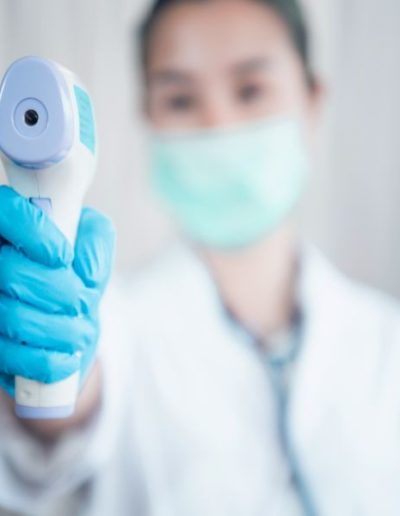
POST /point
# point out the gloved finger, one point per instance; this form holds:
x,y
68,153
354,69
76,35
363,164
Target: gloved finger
x,y
52,290
94,249
30,230
23,323
7,383
36,364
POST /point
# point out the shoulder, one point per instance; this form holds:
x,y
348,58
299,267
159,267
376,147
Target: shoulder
x,y
352,335
358,308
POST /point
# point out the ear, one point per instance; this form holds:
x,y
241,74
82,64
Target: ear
x,y
144,107
317,95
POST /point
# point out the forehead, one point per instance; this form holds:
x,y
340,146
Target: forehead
x,y
211,33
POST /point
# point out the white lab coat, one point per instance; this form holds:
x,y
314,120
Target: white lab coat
x,y
188,421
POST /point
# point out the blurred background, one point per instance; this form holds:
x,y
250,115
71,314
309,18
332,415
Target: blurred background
x,y
352,210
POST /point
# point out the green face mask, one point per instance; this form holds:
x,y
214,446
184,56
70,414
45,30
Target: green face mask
x,y
228,188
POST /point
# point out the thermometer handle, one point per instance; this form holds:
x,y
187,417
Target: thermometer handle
x,y
36,400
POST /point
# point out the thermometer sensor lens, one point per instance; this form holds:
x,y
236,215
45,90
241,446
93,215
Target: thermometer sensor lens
x,y
31,117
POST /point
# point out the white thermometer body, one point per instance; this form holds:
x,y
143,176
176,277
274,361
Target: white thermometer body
x,y
49,151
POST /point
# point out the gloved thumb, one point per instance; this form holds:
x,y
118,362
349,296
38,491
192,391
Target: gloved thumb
x,y
94,249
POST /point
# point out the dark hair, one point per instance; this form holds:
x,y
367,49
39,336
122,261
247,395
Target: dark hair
x,y
289,10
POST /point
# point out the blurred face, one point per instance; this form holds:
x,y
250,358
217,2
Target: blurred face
x,y
221,62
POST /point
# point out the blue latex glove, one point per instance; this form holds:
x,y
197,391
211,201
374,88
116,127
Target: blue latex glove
x,y
49,292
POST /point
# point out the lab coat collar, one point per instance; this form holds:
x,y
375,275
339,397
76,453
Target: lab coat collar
x,y
316,276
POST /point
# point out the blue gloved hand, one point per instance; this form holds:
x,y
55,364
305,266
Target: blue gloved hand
x,y
49,292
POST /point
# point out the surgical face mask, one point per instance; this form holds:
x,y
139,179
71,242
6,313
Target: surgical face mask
x,y
228,188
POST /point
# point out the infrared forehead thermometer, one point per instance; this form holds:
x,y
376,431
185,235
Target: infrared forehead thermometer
x,y
48,149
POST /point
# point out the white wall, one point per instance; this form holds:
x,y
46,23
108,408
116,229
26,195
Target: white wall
x,y
364,208
352,208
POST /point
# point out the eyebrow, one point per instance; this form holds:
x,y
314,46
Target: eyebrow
x,y
174,76
169,76
254,64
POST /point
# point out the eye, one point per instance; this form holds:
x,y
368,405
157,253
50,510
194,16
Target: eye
x,y
180,103
250,92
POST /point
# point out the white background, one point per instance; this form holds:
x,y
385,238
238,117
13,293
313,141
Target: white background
x,y
353,207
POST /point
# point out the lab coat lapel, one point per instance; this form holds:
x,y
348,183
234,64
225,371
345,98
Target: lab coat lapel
x,y
342,449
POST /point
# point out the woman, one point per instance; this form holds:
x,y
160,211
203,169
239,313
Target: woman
x,y
241,374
